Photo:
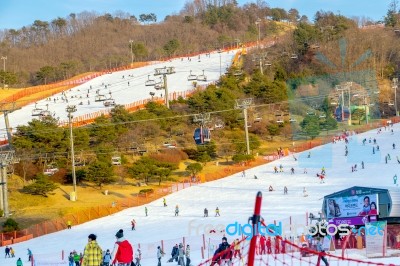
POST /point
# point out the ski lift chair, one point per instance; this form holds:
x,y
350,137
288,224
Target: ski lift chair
x,y
100,98
294,56
109,102
201,135
292,120
36,111
116,160
150,82
202,77
191,76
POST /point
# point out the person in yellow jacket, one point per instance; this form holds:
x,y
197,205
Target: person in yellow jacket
x,y
236,248
93,254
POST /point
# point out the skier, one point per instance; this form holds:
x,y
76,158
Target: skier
x,y
362,165
275,169
270,189
236,248
107,258
398,160
145,211
174,253
205,212
29,255
181,255
187,254
255,177
285,190
309,155
373,150
305,170
323,170
377,147
243,174
395,180
160,253
292,171
388,157
217,212
165,202
138,257
19,262
7,250
69,224
133,223
322,253
177,210
305,192
281,168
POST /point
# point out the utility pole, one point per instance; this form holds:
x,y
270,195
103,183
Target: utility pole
x,y
395,85
164,71
131,44
4,58
71,109
244,104
258,23
220,71
6,158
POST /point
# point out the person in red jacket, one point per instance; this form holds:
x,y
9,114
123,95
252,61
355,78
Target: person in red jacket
x,y
277,247
263,241
269,244
122,254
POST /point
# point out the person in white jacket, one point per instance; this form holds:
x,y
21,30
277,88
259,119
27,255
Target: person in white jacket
x,y
160,253
138,257
187,253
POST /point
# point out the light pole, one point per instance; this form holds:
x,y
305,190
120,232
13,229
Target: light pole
x,y
258,23
71,109
4,58
220,71
395,84
131,44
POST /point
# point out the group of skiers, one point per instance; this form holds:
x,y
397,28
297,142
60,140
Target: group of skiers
x,y
179,253
93,255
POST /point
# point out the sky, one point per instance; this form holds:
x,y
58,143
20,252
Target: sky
x,y
15,14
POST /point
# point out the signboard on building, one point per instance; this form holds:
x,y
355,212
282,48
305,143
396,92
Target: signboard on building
x,y
376,239
352,206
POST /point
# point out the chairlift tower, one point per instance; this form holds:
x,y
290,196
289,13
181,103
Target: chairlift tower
x,y
343,88
71,109
7,108
164,71
6,158
260,59
244,104
4,58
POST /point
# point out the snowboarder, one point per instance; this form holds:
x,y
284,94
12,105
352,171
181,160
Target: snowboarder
x,y
285,190
205,212
217,212
176,210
